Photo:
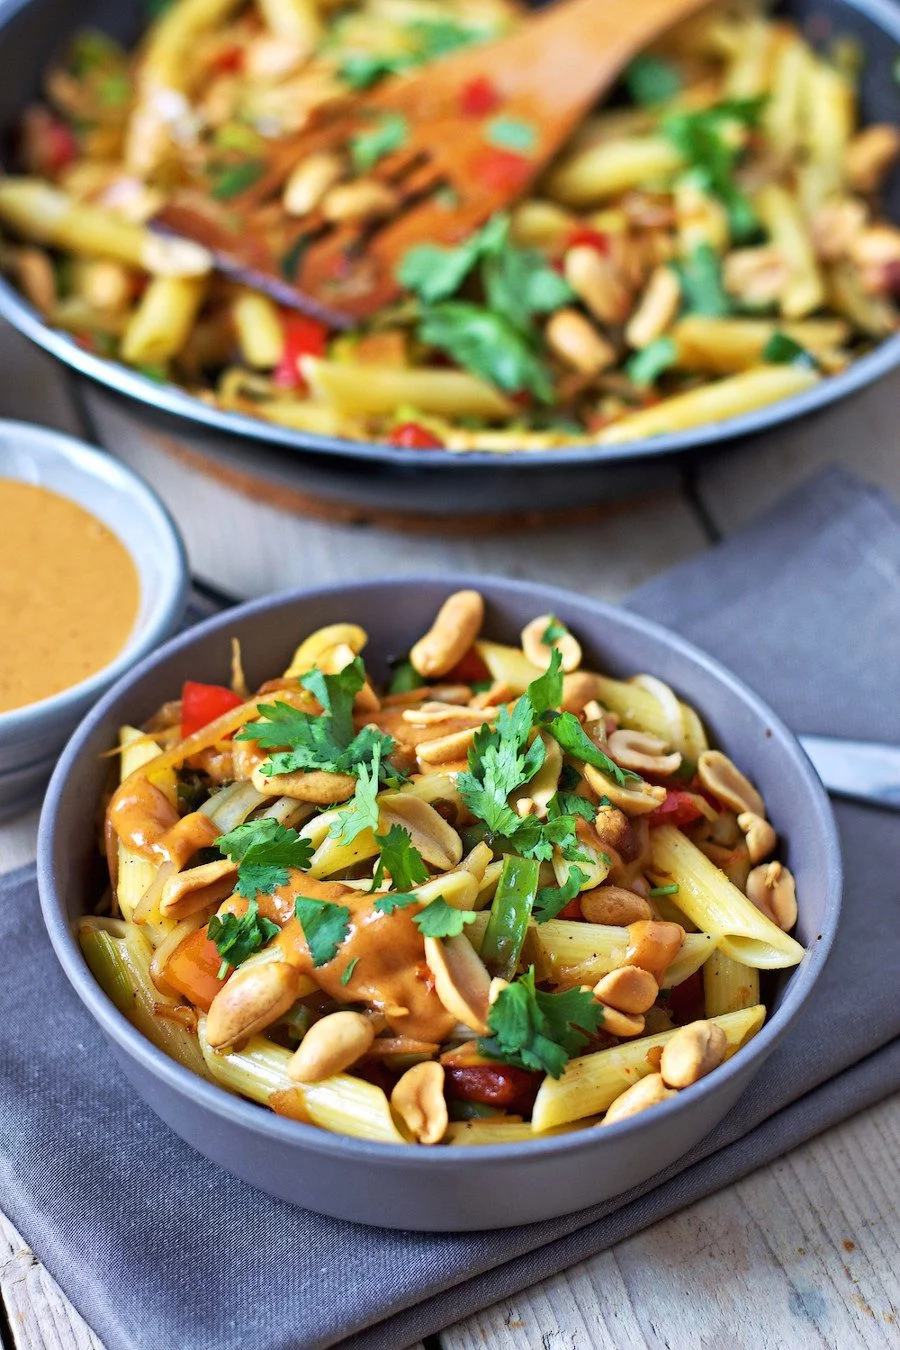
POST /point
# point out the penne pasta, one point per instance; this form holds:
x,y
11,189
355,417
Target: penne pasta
x,y
727,346
591,1083
259,330
729,985
449,393
162,322
784,223
718,907
611,167
562,945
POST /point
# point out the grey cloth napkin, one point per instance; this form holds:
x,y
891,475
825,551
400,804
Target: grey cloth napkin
x,y
158,1248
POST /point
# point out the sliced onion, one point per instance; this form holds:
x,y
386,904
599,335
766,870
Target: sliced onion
x,y
231,806
671,708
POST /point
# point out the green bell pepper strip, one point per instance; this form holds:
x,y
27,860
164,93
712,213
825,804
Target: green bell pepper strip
x,y
510,915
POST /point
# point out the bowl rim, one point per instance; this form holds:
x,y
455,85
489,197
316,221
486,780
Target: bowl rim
x,y
243,1113
170,399
51,446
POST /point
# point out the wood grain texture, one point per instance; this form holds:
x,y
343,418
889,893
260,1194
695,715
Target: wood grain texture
x,y
39,1315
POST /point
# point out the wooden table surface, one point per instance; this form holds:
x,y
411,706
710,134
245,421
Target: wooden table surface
x,y
803,1253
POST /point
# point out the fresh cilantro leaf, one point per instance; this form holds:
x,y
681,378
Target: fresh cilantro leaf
x,y
646,366
404,678
782,350
398,856
564,803
325,741
537,839
325,924
498,764
115,90
439,37
566,728
389,133
551,899
554,631
361,812
348,973
706,138
438,919
539,1031
701,283
386,904
664,890
361,69
429,39
652,79
266,853
569,779
489,346
436,273
231,182
237,938
545,692
519,283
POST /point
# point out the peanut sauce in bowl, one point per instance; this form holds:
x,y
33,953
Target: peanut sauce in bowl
x,y
69,593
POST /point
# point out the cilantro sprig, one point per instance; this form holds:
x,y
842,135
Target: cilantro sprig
x,y
361,812
400,858
266,853
237,937
710,140
551,899
437,919
389,133
539,1031
328,741
325,925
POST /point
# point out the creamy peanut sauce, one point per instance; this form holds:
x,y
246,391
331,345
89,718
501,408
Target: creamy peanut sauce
x,y
390,975
147,823
69,594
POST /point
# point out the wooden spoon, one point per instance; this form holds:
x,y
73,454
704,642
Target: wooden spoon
x,y
458,164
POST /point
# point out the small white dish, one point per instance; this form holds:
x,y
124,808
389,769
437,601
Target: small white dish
x,y
32,736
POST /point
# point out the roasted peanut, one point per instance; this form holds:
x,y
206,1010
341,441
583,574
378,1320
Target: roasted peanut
x,y
188,892
578,689
656,308
634,801
653,945
461,980
693,1052
761,838
539,652
876,246
597,282
309,182
614,905
642,753
756,275
628,989
621,1024
315,786
835,225
418,1099
771,888
331,1046
870,155
251,1000
445,749
455,628
615,831
578,344
727,784
649,1091
366,199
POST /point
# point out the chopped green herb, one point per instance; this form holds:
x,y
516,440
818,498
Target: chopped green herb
x,y
306,741
386,904
398,857
439,920
231,182
566,728
646,366
325,926
348,973
361,69
782,350
553,632
540,1031
518,284
551,899
237,136
368,147
708,140
266,853
436,273
114,90
488,345
700,276
237,938
651,79
91,51
511,133
404,678
665,890
361,812
564,803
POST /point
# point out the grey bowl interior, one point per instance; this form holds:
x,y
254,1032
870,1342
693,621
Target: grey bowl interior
x,y
383,477
436,1189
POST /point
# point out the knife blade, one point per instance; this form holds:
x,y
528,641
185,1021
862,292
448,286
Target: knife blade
x,y
864,771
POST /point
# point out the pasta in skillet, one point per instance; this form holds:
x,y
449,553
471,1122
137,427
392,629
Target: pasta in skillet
x,y
506,896
709,243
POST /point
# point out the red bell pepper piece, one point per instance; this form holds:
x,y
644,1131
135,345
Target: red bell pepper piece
x,y
503,1085
203,703
479,97
303,336
193,969
413,436
469,669
501,170
585,237
679,809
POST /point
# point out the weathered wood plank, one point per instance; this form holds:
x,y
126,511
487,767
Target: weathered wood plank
x,y
39,1314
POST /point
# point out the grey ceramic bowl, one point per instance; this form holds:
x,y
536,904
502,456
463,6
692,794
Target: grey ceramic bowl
x,y
32,737
375,477
442,1188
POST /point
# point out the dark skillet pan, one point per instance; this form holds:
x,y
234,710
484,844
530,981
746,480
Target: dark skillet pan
x,y
379,478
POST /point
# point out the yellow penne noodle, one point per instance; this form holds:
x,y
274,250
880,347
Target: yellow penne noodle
x,y
596,949
136,874
782,115
713,403
723,346
830,116
783,221
258,328
718,907
342,1104
641,708
449,393
591,1083
610,167
295,21
471,1132
729,985
161,323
